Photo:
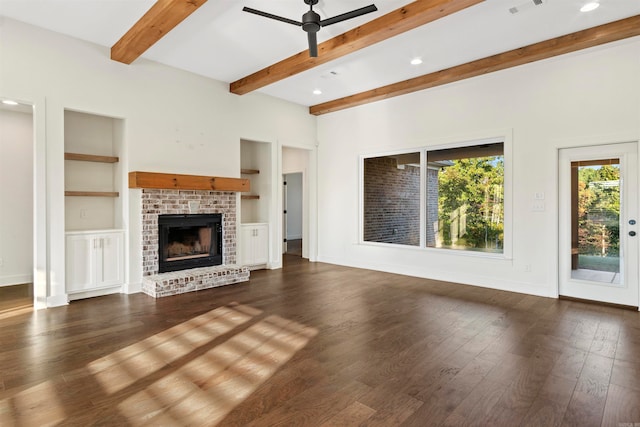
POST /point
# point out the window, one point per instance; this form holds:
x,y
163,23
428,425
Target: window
x,y
392,199
447,197
465,198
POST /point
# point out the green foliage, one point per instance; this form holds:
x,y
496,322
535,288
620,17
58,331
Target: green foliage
x,y
599,210
470,203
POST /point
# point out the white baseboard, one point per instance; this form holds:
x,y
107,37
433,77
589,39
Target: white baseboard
x,y
57,300
95,293
17,279
132,288
447,276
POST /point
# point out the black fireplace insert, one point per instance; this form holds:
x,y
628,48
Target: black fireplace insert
x,y
189,241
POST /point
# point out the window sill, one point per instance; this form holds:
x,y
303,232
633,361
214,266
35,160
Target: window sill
x,y
455,252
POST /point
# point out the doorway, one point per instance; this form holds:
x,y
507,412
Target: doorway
x,y
292,213
598,245
17,195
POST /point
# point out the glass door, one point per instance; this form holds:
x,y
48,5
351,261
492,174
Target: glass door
x,y
598,214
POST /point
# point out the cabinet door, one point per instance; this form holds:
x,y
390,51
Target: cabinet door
x,y
246,245
79,263
110,271
261,245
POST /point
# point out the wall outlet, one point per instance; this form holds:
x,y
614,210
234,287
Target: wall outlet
x,y
538,206
83,213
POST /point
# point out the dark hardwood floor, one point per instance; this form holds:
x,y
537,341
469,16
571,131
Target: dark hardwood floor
x,y
294,247
15,299
321,345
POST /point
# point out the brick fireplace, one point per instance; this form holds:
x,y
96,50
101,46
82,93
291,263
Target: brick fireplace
x,y
157,202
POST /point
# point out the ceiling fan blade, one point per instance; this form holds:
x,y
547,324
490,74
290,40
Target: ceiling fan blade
x,y
349,15
269,15
313,44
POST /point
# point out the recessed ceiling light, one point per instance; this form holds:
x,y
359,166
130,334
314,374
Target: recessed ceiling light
x,y
9,102
317,92
588,7
416,61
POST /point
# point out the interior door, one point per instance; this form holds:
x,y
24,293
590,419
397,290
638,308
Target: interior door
x,y
284,214
598,246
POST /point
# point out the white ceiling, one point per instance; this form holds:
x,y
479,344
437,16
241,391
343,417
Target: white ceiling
x,y
220,41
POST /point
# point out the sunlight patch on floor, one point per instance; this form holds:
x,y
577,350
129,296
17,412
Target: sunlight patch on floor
x,y
16,311
205,390
128,365
173,377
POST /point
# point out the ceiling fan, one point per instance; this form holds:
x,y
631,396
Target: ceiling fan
x,y
311,21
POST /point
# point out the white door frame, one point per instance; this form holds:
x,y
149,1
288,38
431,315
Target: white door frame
x,y
630,273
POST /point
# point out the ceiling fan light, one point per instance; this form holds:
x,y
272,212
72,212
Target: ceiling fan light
x,y
588,7
416,61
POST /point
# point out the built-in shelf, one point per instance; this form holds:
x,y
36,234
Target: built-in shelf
x,y
250,197
91,158
249,171
92,193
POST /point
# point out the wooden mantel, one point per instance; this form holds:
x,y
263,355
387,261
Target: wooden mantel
x,y
171,181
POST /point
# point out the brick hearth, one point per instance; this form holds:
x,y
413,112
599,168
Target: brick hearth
x,y
164,202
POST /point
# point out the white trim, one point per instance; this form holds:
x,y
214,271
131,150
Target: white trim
x,y
16,279
454,278
309,202
57,300
132,288
504,136
594,148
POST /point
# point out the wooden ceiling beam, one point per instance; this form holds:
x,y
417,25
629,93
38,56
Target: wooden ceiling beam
x,y
591,37
406,18
161,18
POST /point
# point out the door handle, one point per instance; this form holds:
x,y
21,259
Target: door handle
x,y
632,233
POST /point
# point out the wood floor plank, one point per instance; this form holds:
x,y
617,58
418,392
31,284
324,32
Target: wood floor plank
x,y
316,344
587,402
551,403
477,406
622,407
352,415
626,374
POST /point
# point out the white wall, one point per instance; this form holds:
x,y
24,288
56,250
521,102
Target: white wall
x,y
16,197
175,122
587,97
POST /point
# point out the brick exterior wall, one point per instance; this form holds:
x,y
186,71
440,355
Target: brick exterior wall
x,y
391,202
432,206
164,202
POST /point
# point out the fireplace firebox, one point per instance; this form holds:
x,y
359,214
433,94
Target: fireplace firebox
x,y
189,241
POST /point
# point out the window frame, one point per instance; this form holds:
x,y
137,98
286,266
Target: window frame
x,y
503,136
422,218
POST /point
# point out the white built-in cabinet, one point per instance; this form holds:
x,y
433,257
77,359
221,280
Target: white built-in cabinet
x,y
254,244
94,260
255,164
93,206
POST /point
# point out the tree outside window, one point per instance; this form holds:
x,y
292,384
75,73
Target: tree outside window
x,y
465,198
